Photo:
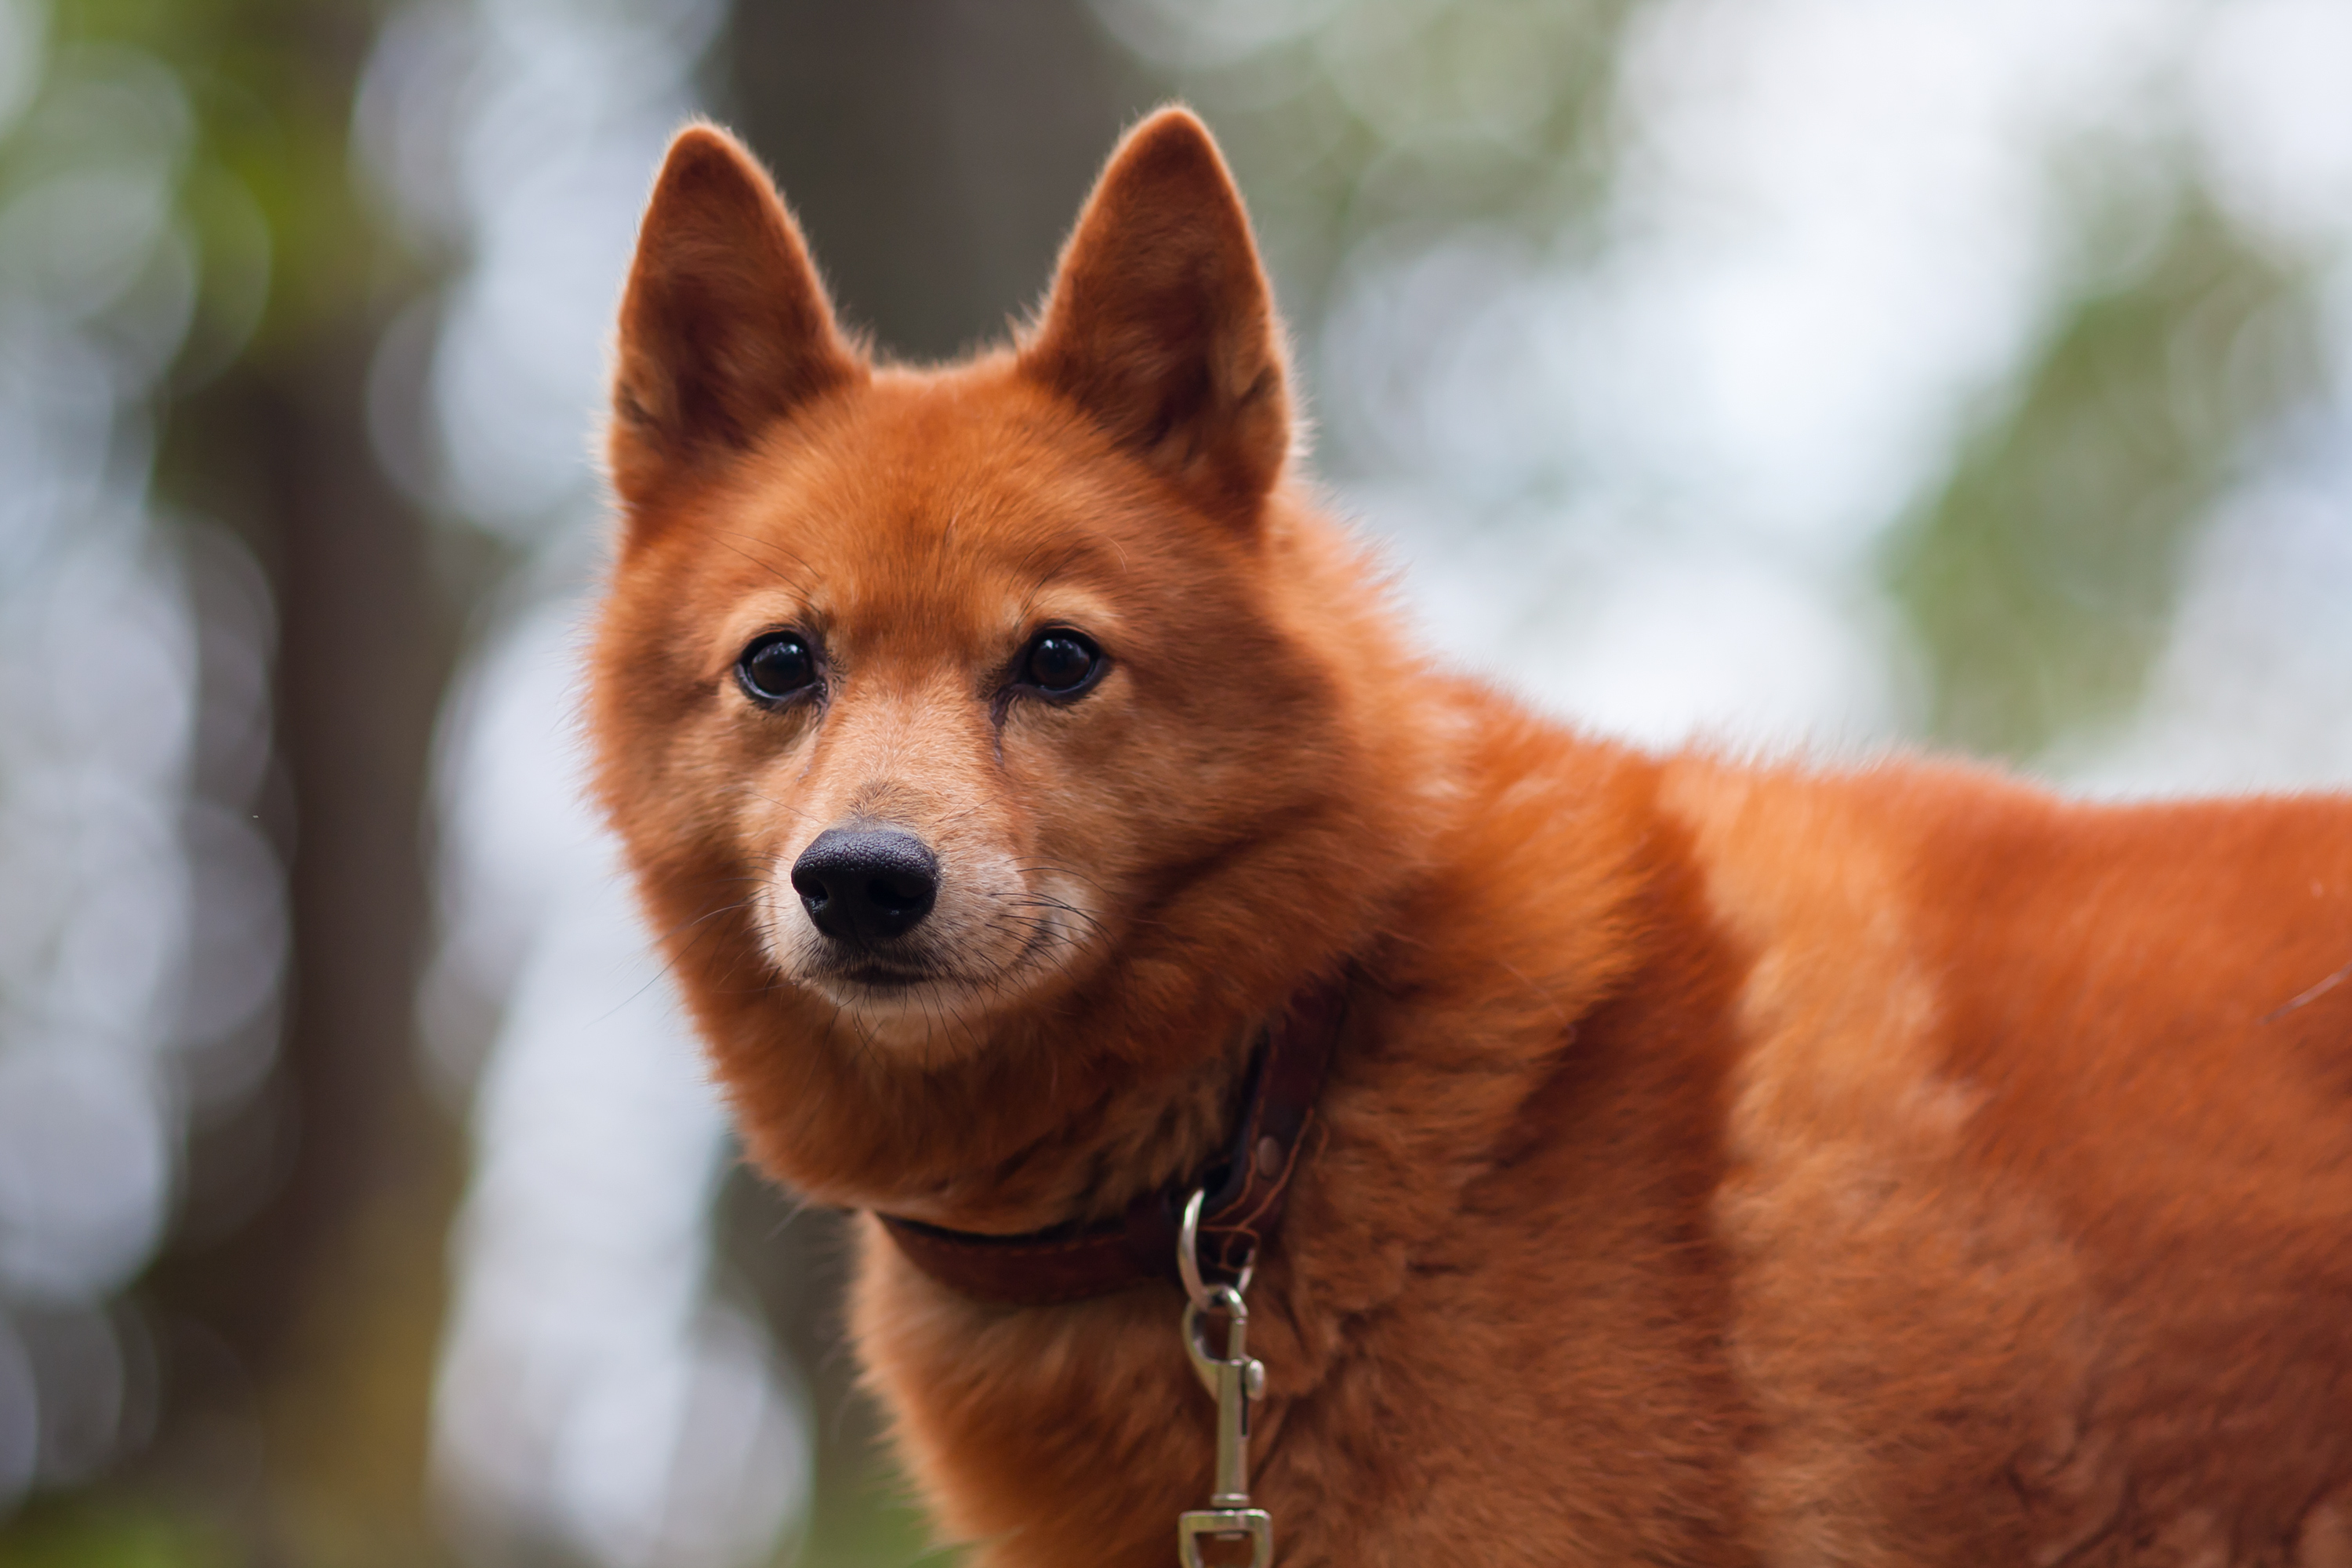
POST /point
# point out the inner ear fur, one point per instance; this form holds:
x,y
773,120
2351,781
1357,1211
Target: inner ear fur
x,y
725,327
1160,324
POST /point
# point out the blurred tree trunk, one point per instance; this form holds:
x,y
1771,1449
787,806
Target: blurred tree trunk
x,y
327,1298
936,151
330,1295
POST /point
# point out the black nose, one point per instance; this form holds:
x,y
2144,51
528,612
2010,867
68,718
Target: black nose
x,y
866,884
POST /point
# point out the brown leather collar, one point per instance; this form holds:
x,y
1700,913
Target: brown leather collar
x,y
1246,1186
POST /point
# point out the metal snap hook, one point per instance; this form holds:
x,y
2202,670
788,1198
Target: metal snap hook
x,y
1234,1380
1188,1254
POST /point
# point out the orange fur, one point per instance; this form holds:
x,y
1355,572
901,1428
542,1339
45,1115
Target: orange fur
x,y
1719,1165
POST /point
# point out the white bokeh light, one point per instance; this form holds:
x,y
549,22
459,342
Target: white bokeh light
x,y
142,912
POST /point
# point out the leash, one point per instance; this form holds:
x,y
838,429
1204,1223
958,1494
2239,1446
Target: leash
x,y
1210,1244
1233,1380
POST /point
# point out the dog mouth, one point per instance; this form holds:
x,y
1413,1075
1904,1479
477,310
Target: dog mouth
x,y
892,971
887,979
880,974
855,975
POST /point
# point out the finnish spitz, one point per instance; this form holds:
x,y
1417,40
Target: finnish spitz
x,y
1074,859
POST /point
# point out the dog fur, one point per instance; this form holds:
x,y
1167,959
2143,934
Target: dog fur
x,y
1720,1164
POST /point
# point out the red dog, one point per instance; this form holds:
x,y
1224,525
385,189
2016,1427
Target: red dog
x,y
1639,1160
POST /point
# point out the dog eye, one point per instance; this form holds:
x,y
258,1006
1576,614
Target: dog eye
x,y
776,667
1061,663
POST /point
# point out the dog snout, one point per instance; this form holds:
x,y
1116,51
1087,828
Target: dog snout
x,y
867,885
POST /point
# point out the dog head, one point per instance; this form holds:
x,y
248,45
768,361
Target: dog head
x,y
947,713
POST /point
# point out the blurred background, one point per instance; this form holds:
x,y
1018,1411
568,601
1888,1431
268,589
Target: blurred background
x,y
1793,374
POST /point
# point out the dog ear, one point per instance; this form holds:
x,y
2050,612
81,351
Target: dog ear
x,y
1160,324
724,325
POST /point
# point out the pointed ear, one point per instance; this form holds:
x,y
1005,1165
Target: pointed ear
x,y
1160,324
724,325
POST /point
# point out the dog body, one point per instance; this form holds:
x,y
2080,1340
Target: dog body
x,y
1718,1165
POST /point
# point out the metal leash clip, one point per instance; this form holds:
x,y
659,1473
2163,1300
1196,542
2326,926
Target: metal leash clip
x,y
1234,1380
